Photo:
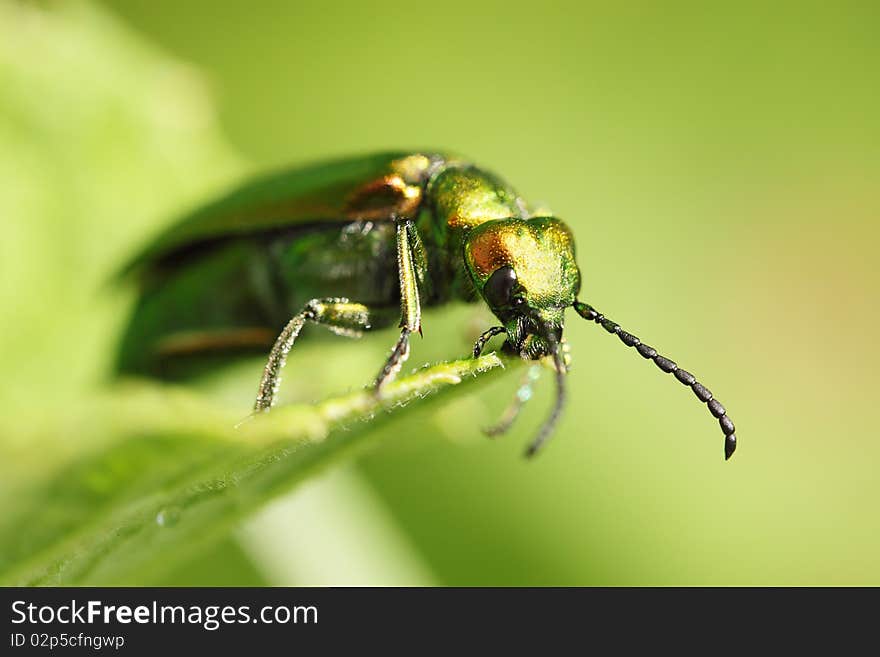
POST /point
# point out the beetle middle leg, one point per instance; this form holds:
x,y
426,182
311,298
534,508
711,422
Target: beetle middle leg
x,y
340,315
412,268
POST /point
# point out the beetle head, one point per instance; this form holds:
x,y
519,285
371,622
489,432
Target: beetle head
x,y
525,271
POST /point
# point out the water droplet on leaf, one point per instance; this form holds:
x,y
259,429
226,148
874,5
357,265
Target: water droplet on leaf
x,y
168,517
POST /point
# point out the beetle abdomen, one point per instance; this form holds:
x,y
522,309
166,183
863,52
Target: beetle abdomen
x,y
232,298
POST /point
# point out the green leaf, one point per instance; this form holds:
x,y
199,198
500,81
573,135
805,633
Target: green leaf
x,y
117,486
180,475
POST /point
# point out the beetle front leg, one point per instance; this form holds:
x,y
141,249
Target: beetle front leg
x,y
339,315
412,267
522,396
487,335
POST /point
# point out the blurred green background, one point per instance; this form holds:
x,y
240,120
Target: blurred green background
x,y
719,166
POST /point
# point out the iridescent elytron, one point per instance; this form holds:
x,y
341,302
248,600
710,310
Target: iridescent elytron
x,y
356,245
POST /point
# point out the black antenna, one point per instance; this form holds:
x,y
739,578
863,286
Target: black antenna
x,y
588,312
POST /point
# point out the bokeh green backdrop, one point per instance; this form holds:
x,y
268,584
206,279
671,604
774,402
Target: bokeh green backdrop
x,y
718,164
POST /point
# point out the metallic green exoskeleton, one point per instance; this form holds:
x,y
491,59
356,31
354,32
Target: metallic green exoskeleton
x,y
356,245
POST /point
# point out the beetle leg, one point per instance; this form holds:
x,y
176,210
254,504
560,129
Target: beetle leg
x,y
412,267
339,315
487,335
410,306
523,395
420,259
395,361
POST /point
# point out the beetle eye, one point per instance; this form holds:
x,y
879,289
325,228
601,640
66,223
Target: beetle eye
x,y
499,287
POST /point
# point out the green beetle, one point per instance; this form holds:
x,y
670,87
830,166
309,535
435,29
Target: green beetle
x,y
356,245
